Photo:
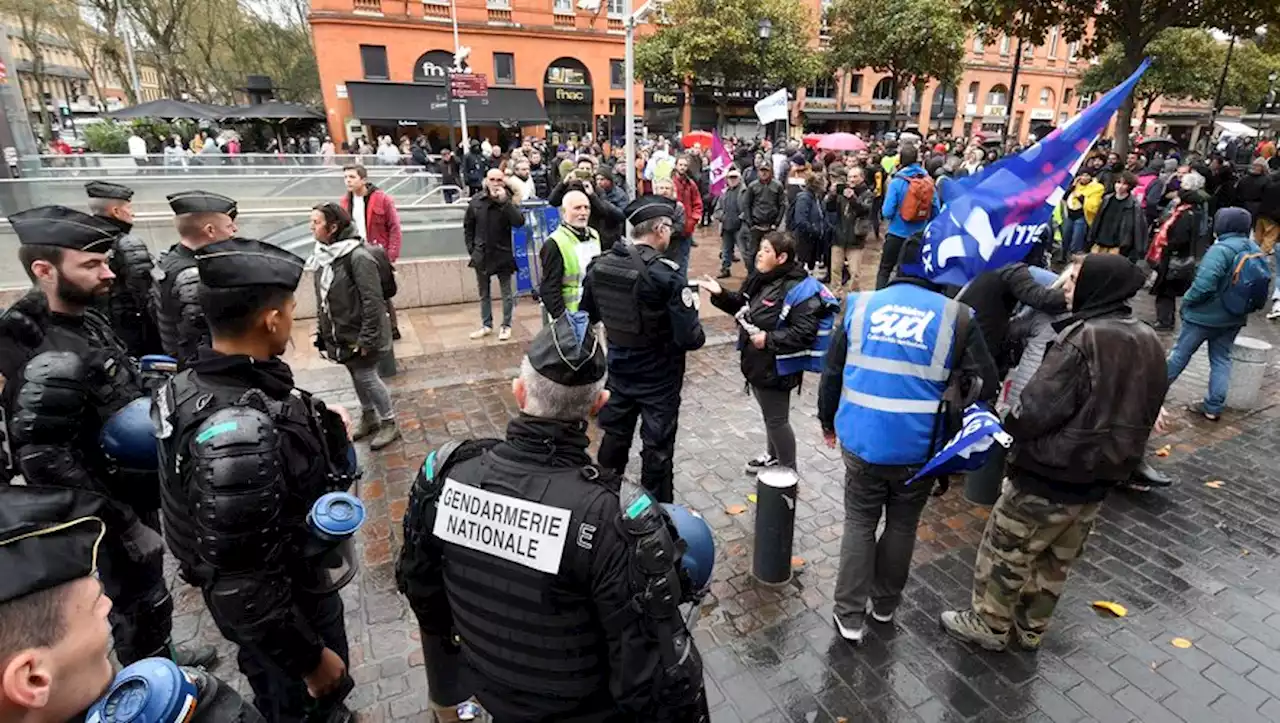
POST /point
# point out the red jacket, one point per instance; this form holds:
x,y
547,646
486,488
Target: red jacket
x,y
687,193
381,222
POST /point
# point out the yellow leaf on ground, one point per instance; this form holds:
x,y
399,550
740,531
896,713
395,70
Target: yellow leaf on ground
x,y
736,509
797,561
1215,484
752,499
1181,643
1114,608
1164,451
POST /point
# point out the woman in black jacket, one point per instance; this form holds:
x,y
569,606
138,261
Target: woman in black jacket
x,y
1178,236
352,326
759,304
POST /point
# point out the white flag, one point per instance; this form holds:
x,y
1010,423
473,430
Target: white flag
x,y
772,108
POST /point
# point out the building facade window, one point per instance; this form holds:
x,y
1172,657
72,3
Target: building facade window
x,y
1023,92
563,7
1004,44
504,68
498,4
373,58
617,74
1053,42
978,47
998,95
615,8
1028,51
883,90
823,87
824,28
1072,49
971,98
1066,96
1046,97
855,84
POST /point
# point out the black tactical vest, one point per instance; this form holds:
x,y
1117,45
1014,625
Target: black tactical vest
x,y
181,406
619,280
523,628
165,306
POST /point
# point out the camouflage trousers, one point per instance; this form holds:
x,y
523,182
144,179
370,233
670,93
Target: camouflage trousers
x,y
1026,552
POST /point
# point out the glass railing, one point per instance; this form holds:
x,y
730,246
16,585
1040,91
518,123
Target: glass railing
x,y
155,163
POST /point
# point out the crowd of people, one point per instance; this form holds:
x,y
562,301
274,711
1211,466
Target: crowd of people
x,y
147,407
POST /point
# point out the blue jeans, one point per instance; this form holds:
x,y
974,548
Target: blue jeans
x,y
679,252
1220,341
1076,234
486,304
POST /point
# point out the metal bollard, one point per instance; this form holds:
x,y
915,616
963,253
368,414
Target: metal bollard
x,y
775,524
1249,358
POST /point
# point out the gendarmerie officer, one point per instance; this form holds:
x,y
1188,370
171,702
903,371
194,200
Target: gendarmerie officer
x,y
244,455
202,218
561,580
54,664
129,302
651,316
67,377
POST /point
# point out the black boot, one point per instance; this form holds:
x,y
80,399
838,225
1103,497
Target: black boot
x,y
1146,477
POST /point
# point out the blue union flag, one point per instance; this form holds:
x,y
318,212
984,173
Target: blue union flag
x,y
998,214
971,445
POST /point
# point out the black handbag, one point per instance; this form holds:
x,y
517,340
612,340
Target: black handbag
x,y
1181,269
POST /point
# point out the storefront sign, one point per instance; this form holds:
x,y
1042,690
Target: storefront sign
x,y
820,103
433,67
565,95
1044,114
469,85
658,98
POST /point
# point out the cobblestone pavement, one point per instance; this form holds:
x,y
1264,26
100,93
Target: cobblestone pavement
x,y
1194,562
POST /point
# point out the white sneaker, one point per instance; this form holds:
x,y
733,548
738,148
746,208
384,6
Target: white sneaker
x,y
481,333
883,619
1275,311
504,333
853,636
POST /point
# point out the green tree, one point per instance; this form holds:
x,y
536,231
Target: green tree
x,y
1133,24
911,40
1181,67
1247,76
718,41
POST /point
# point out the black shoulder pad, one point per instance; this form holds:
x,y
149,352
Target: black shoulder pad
x,y
52,399
56,367
238,446
23,322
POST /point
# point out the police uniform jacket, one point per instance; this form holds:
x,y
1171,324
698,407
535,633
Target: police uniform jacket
x,y
64,377
647,307
244,455
176,304
129,301
540,604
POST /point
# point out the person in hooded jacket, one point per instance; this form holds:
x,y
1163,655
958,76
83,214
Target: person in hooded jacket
x,y
352,326
855,224
809,220
474,165
1173,248
760,303
1079,429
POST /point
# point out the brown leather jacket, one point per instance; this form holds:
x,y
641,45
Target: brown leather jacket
x,y
1085,416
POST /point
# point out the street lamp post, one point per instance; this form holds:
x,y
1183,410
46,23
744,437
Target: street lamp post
x,y
764,30
1267,101
458,59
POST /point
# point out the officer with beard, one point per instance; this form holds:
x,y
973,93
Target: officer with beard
x,y
560,580
54,635
202,218
244,455
128,303
66,376
651,315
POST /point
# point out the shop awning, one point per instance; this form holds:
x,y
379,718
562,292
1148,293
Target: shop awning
x,y
1235,128
421,103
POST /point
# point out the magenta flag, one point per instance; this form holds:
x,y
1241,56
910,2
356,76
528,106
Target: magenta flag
x,y
720,162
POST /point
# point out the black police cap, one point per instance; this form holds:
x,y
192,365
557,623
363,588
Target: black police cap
x,y
568,352
48,536
241,262
64,227
649,207
102,189
201,202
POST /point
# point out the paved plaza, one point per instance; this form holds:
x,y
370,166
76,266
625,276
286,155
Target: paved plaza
x,y
1195,562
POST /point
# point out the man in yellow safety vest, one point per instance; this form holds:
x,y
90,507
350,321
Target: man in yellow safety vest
x,y
565,255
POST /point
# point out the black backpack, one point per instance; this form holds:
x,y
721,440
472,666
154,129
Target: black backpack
x,y
386,271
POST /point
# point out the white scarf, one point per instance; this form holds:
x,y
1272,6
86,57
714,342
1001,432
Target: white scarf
x,y
321,261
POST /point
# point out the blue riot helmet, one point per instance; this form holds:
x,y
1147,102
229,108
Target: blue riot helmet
x,y
154,690
129,436
156,368
333,520
700,547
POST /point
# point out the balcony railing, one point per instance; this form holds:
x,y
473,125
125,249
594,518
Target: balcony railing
x,y
499,15
367,6
435,9
565,20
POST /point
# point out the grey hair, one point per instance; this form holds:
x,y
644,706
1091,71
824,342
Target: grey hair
x,y
548,400
1192,182
649,227
103,206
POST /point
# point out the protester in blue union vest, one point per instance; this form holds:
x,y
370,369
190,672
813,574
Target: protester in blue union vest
x,y
785,320
893,356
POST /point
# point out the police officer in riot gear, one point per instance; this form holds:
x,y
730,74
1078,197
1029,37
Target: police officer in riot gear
x,y
202,218
560,580
651,315
67,375
244,455
129,301
51,541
